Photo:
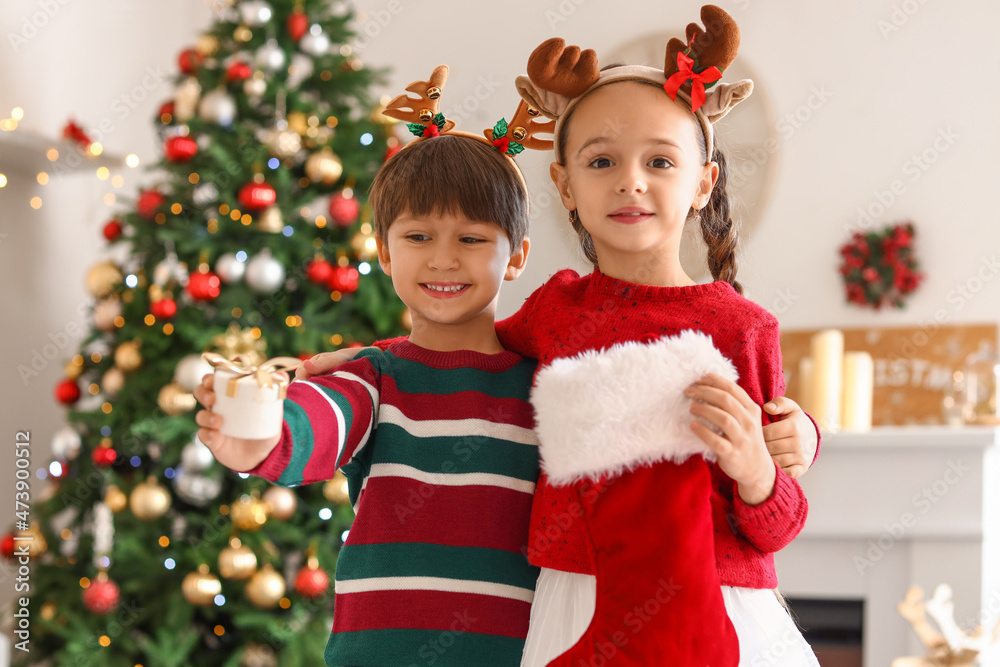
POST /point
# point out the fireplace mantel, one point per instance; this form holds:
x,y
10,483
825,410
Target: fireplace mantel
x,y
899,506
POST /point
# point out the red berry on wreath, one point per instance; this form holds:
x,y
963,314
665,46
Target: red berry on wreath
x,y
67,392
257,196
344,209
311,582
148,203
319,271
163,309
203,286
101,596
112,230
344,279
180,149
189,60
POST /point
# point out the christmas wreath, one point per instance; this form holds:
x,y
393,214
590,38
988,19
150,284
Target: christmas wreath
x,y
880,268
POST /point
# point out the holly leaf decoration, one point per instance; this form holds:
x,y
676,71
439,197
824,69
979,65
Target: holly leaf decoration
x,y
500,129
514,148
415,128
439,121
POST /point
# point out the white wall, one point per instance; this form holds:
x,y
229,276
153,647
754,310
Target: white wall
x,y
890,97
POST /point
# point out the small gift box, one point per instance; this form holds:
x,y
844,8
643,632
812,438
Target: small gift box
x,y
249,398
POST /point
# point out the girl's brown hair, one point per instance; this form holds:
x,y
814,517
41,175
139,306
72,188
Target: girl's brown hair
x,y
717,225
450,174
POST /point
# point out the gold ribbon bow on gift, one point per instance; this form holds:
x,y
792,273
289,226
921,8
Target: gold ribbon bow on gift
x,y
264,374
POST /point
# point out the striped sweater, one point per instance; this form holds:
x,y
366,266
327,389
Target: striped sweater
x,y
441,461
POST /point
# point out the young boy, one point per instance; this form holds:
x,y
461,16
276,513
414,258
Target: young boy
x,y
435,433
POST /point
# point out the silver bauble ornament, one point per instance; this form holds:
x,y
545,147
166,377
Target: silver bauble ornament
x,y
229,268
195,488
265,274
255,86
205,194
170,269
190,370
270,57
217,107
315,42
255,12
196,457
300,69
66,443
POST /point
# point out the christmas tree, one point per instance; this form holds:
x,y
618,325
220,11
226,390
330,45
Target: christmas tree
x,y
255,240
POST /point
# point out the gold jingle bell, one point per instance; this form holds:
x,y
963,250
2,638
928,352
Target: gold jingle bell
x,y
201,587
237,561
266,588
426,115
519,133
532,111
433,93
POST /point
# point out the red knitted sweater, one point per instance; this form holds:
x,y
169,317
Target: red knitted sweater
x,y
570,314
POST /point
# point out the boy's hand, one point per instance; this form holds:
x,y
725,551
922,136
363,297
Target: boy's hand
x,y
791,440
238,454
326,362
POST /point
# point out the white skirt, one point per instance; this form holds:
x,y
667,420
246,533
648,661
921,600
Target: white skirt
x,y
564,605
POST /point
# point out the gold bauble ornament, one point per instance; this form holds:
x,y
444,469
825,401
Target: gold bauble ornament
x,y
242,34
298,123
236,341
127,356
105,313
115,499
282,143
378,116
248,513
324,166
149,501
186,98
281,502
112,382
270,220
335,489
207,45
266,588
36,545
201,587
258,655
174,401
406,319
237,561
364,246
72,370
102,279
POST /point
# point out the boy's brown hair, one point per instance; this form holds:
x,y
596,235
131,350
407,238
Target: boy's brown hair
x,y
450,174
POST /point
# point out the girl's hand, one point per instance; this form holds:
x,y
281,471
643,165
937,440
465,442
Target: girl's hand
x,y
238,454
792,440
326,362
742,453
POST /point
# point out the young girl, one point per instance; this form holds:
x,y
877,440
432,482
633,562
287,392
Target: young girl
x,y
635,162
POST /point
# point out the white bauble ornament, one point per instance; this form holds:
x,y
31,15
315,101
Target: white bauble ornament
x,y
66,443
190,370
170,269
270,57
196,489
255,12
186,99
196,457
300,69
255,86
105,313
205,194
229,268
315,42
217,107
265,274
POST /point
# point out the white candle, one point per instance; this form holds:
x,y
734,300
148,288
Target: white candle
x,y
828,377
805,384
859,383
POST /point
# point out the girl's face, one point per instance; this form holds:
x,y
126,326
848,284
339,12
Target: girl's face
x,y
633,170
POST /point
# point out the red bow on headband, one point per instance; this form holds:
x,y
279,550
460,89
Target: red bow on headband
x,y
698,80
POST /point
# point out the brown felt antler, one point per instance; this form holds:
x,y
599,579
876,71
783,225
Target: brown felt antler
x,y
715,46
422,108
561,69
523,127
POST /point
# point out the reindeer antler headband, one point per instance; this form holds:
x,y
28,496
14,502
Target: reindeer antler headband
x,y
559,76
425,120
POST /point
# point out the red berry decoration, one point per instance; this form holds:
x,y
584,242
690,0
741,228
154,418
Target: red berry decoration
x,y
67,392
257,196
203,286
311,582
163,309
298,24
148,203
7,545
102,596
189,60
180,149
344,209
112,230
238,71
319,271
344,279
103,456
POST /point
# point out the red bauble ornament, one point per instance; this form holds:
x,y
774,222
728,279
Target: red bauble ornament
x,y
257,196
103,456
112,230
189,60
344,279
203,286
166,109
7,545
180,149
102,596
238,71
163,309
311,582
298,24
148,203
67,392
344,210
319,271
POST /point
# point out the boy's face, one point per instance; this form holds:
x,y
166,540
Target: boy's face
x,y
448,269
